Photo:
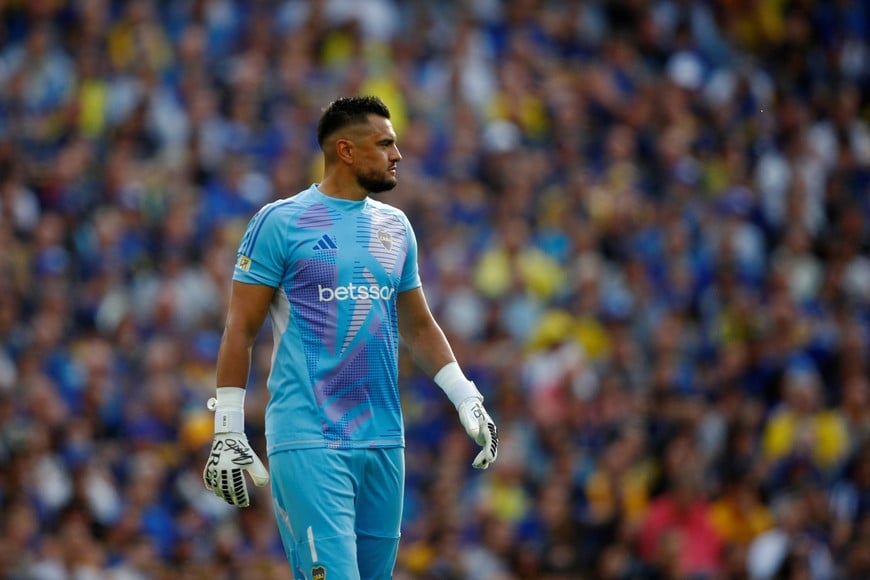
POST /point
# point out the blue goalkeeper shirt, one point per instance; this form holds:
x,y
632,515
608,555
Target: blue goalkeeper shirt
x,y
338,267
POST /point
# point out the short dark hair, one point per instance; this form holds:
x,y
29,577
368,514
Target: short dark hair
x,y
348,111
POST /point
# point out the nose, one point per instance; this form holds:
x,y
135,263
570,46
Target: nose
x,y
395,156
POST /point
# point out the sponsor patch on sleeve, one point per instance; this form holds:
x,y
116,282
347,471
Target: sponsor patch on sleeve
x,y
244,263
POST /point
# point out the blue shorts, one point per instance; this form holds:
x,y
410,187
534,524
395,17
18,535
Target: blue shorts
x,y
339,511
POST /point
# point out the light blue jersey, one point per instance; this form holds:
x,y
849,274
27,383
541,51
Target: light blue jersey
x,y
338,266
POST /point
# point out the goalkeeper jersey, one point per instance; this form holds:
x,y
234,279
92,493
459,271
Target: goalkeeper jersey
x,y
338,267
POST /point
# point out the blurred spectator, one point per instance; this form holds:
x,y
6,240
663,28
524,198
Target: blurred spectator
x,y
802,440
677,537
789,549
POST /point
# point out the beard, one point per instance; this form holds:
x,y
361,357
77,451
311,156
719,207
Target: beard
x,y
376,182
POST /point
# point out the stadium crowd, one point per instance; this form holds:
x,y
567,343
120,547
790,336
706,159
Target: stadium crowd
x,y
644,225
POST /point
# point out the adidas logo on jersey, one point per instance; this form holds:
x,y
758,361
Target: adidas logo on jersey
x,y
325,243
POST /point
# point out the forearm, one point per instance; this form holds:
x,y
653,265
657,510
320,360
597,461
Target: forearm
x,y
234,360
432,352
429,348
247,311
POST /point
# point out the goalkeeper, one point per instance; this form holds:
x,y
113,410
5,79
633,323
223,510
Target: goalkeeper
x,y
336,270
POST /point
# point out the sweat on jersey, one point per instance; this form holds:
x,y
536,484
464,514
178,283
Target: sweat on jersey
x,y
338,267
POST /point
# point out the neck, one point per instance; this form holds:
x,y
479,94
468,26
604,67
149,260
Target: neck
x,y
334,186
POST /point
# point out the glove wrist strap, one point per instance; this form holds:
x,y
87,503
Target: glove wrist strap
x,y
455,384
229,410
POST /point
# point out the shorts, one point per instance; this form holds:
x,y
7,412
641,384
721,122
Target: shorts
x,y
339,511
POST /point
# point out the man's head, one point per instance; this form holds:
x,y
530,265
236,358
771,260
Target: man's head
x,y
355,133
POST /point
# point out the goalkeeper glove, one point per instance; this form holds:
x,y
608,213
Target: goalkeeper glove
x,y
480,427
231,454
472,414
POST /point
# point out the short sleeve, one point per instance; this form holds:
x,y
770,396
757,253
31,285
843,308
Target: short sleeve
x,y
261,257
410,272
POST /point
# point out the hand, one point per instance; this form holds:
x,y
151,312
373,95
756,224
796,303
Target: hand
x,y
480,427
230,455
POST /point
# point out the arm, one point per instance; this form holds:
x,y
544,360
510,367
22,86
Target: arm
x,y
431,351
231,453
247,310
421,334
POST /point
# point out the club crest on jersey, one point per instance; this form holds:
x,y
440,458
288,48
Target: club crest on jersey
x,y
385,239
244,263
318,573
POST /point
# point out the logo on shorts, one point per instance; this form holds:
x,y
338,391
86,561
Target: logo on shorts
x,y
318,573
385,239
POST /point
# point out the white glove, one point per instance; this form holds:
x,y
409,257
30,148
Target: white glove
x,y
231,454
469,403
480,427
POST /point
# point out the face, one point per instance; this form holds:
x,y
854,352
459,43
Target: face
x,y
376,156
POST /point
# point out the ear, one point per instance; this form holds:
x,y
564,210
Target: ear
x,y
344,150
